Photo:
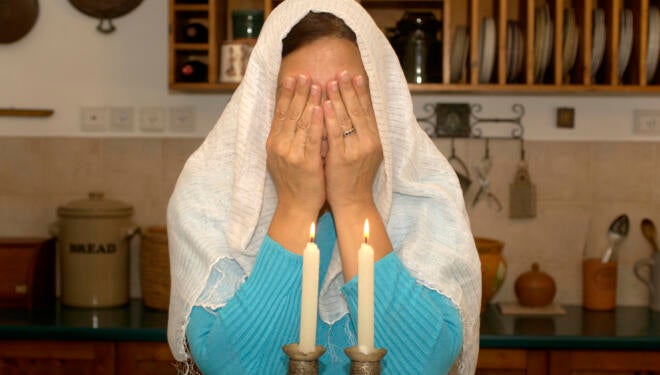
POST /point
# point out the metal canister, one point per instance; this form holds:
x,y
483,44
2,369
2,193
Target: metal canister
x,y
93,236
234,56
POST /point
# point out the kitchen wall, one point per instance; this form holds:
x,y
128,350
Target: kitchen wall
x,y
584,176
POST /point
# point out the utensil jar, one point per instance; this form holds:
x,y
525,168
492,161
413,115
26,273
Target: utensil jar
x,y
599,284
653,281
93,237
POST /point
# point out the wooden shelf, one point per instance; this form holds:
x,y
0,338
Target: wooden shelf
x,y
190,7
468,13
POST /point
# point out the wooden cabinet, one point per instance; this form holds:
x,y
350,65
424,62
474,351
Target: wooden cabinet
x,y
56,358
567,362
85,358
455,14
145,358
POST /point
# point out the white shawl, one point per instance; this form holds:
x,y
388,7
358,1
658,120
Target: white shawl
x,y
224,199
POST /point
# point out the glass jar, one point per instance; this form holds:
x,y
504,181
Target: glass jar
x,y
247,23
416,42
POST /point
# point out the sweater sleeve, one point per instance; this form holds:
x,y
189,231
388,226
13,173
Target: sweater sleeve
x,y
247,334
421,328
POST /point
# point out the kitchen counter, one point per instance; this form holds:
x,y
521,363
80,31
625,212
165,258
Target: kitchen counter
x,y
625,328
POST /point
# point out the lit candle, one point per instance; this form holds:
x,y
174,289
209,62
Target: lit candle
x,y
366,294
309,297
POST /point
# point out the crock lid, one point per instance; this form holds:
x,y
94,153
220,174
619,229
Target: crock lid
x,y
95,206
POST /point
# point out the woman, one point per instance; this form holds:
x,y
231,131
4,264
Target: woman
x,y
323,115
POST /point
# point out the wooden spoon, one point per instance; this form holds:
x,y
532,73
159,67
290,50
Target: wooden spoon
x,y
649,232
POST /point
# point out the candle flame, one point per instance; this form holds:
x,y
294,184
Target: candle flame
x,y
312,232
366,230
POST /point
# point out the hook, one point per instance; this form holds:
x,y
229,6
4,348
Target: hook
x,y
522,149
453,149
487,152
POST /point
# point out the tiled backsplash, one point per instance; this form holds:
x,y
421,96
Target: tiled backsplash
x,y
581,187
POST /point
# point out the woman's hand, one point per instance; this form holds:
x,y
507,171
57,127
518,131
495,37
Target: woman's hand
x,y
294,146
353,156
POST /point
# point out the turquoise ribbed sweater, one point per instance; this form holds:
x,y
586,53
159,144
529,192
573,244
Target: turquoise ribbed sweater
x,y
420,328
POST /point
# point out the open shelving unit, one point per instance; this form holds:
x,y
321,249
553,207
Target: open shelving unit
x,y
452,13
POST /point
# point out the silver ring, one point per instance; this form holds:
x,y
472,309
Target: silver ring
x,y
350,131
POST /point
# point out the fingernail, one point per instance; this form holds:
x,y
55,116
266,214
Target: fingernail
x,y
345,77
302,79
359,80
333,85
288,82
327,104
315,90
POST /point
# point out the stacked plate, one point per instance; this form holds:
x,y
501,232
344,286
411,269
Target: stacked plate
x,y
625,40
653,43
487,49
570,42
515,50
543,38
459,53
599,39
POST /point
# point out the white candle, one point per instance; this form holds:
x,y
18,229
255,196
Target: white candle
x,y
366,294
309,296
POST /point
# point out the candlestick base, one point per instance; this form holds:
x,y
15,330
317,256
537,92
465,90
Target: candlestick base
x,y
303,363
365,364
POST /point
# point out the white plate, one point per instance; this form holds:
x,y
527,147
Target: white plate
x,y
569,41
549,40
487,44
599,41
539,41
626,41
653,44
520,51
457,49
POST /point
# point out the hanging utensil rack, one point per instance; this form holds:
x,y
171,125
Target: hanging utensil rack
x,y
474,125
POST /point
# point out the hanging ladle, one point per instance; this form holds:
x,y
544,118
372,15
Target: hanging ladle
x,y
649,232
463,174
615,234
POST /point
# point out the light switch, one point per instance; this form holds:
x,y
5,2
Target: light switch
x,y
182,119
94,119
153,119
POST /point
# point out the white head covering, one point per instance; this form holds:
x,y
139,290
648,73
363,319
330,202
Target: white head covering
x,y
224,199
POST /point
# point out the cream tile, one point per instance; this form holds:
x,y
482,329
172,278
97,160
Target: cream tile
x,y
73,165
555,240
22,166
560,170
622,171
132,173
26,215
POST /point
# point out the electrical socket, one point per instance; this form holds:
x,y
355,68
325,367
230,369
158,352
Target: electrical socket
x,y
647,122
182,119
153,119
94,119
121,119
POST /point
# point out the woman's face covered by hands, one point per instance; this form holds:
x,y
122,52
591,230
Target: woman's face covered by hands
x,y
324,143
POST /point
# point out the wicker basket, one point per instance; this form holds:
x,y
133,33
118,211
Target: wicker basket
x,y
155,268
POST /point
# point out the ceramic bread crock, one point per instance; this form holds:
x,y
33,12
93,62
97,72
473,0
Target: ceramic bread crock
x,y
93,238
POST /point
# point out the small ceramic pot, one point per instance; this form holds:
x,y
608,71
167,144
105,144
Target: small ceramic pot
x,y
535,288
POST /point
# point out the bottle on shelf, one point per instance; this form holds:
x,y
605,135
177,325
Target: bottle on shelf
x,y
193,71
195,32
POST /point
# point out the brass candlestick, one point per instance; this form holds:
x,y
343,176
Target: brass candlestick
x,y
303,363
365,364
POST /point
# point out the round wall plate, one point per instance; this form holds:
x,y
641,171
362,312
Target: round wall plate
x,y
17,17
